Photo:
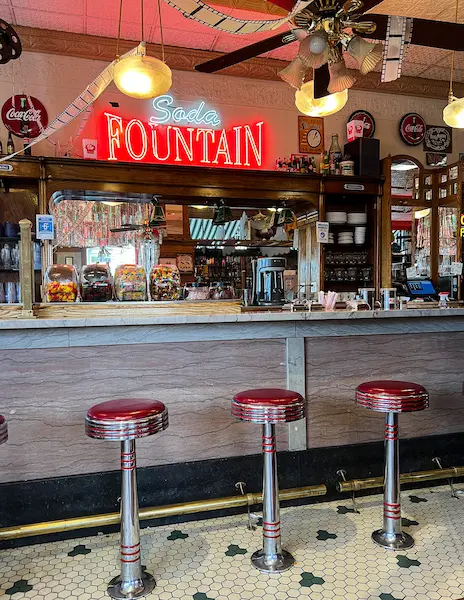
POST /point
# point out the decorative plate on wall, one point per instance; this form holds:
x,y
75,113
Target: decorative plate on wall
x,y
367,118
412,129
438,138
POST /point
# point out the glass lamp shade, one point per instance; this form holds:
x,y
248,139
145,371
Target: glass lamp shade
x,y
365,53
157,217
322,107
222,215
142,76
453,113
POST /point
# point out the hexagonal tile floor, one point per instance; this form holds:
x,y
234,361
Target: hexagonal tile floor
x,y
210,559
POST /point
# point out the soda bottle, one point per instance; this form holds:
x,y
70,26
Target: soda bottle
x,y
335,154
25,128
10,144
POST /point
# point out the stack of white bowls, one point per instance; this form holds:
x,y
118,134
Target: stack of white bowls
x,y
345,237
357,218
359,235
331,239
337,217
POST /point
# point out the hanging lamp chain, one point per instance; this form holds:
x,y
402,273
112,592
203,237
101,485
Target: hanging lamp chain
x,y
161,30
451,94
119,29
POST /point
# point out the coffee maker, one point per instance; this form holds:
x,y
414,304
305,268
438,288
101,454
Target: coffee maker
x,y
268,281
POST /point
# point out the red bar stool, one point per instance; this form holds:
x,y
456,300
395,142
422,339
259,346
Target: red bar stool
x,y
268,407
3,430
392,397
124,421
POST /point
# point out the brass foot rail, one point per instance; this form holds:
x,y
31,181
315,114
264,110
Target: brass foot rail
x,y
155,512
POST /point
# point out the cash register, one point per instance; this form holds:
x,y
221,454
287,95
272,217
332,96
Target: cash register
x,y
422,288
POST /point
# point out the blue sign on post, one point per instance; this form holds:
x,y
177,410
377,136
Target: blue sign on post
x,y
45,227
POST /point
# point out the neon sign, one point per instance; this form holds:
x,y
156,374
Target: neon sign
x,y
165,112
136,141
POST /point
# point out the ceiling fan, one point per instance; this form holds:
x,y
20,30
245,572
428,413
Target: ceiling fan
x,y
325,29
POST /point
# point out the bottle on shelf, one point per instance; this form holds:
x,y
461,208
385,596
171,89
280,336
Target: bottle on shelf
x,y
25,129
10,148
1,147
335,155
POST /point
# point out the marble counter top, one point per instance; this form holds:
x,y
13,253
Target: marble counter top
x,y
247,317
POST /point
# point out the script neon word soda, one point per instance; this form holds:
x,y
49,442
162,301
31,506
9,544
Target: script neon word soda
x,y
165,112
133,140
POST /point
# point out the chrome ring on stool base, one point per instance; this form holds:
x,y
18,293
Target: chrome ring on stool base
x,y
392,397
3,430
267,407
126,420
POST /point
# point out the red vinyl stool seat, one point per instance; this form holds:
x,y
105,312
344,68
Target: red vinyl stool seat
x,y
392,398
124,421
271,405
268,407
3,430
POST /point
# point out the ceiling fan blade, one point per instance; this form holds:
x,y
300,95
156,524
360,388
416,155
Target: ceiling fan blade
x,y
435,34
321,81
285,4
238,56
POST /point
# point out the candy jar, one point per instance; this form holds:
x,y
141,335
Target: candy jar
x,y
130,283
96,283
60,283
164,283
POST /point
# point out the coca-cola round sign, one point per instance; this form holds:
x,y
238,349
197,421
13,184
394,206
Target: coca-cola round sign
x,y
22,119
412,129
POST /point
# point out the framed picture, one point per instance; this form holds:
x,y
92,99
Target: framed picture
x,y
185,263
436,159
310,135
438,138
68,260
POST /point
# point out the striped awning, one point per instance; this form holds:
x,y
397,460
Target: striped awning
x,y
203,229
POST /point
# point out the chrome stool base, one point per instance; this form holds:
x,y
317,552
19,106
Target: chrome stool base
x,y
393,541
272,564
131,589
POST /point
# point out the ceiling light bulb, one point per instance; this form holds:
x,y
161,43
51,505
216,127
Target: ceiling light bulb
x,y
317,43
453,113
142,76
321,107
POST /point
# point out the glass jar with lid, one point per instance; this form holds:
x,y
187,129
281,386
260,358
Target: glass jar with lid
x,y
165,282
96,283
130,283
60,283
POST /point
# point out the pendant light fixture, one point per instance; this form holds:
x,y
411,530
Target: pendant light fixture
x,y
141,76
453,113
157,215
320,107
222,214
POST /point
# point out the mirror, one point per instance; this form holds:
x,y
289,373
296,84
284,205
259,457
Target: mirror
x,y
410,223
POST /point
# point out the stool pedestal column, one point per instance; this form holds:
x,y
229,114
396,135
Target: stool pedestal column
x,y
271,558
132,582
392,536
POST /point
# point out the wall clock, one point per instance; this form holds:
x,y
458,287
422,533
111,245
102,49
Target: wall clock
x,y
438,138
311,135
367,119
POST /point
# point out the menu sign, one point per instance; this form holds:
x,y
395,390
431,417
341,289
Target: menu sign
x,y
412,129
22,119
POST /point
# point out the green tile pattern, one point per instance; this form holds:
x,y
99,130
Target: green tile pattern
x,y
308,580
177,535
80,549
234,550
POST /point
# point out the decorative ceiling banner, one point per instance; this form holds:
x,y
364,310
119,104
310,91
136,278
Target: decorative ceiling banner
x,y
77,106
399,33
201,12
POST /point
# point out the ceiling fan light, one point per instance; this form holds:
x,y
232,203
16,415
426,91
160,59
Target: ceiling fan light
x,y
294,73
309,58
340,79
317,42
141,76
365,53
453,113
322,107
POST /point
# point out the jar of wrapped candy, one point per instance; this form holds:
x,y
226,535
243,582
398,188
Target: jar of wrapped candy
x,y
96,283
164,283
130,283
60,283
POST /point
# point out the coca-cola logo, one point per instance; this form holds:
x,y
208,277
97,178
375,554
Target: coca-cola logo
x,y
22,119
412,129
368,122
